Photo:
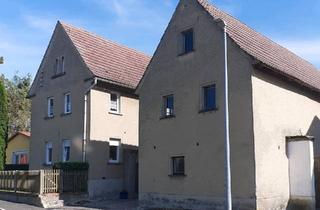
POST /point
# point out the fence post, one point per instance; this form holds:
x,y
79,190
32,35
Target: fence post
x,y
41,182
15,174
61,181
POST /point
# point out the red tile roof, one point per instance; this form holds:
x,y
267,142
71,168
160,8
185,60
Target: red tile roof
x,y
108,60
266,51
24,133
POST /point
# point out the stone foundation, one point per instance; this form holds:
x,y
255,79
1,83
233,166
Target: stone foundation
x,y
153,201
305,203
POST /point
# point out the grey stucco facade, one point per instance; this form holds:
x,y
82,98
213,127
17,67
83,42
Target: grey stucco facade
x,y
264,110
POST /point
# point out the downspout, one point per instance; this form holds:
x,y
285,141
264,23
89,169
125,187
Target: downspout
x,y
227,126
85,119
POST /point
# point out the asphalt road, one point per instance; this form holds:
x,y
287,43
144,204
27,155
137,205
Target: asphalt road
x,y
92,205
5,205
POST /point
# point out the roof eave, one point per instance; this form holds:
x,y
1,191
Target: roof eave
x,y
264,67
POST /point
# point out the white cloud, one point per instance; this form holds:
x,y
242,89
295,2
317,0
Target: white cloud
x,y
45,24
307,49
135,13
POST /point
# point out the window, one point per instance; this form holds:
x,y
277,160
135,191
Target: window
x,y
178,165
168,106
66,150
20,157
56,66
50,107
62,65
115,102
208,97
67,103
187,38
114,151
48,153
59,66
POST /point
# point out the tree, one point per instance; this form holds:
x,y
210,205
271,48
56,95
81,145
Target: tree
x,y
3,123
19,107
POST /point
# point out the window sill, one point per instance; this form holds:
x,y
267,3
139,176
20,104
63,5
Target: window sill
x,y
66,114
186,53
58,75
208,110
48,118
115,113
47,164
115,163
167,117
177,175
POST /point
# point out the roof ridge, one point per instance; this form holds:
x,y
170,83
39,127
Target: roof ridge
x,y
102,38
206,3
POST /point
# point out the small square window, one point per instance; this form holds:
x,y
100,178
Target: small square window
x,y
168,106
208,97
67,103
178,165
188,38
114,150
50,107
115,102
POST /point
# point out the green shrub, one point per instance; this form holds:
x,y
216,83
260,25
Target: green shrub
x,y
71,166
3,123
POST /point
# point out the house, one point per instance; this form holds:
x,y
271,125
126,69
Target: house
x,y
274,107
17,151
84,109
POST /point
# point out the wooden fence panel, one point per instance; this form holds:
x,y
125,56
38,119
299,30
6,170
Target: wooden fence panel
x,y
23,181
44,181
51,181
75,181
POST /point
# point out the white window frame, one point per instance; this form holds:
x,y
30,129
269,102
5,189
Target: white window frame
x,y
19,153
49,114
165,111
48,146
117,111
66,111
66,143
117,143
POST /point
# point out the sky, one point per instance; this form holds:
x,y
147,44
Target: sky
x,y
26,26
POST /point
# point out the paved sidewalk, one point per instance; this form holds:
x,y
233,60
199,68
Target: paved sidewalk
x,y
84,205
106,205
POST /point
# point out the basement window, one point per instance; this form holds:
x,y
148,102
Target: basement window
x,y
178,167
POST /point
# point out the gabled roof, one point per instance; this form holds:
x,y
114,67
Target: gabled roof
x,y
266,51
24,133
108,60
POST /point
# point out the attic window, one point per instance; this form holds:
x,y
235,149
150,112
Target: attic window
x,y
187,40
59,66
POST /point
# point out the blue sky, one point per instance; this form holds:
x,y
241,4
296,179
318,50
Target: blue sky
x,y
26,26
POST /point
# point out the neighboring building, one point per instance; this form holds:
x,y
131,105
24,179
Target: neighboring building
x,y
274,102
17,151
84,108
